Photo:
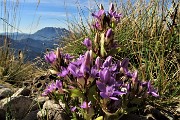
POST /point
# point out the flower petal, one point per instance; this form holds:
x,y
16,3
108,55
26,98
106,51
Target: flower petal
x,y
103,95
101,86
113,98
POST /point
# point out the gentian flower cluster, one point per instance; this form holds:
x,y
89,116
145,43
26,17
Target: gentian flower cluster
x,y
96,81
53,87
104,26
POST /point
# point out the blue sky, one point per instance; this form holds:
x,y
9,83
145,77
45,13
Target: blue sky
x,y
31,15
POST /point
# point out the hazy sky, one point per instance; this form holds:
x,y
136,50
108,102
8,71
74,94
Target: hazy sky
x,y
31,15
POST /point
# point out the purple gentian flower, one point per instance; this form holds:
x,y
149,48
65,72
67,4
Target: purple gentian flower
x,y
85,105
109,33
85,66
113,67
151,90
109,59
73,109
124,66
73,70
87,42
49,89
94,72
79,61
87,58
63,72
58,84
97,25
107,62
118,64
135,76
111,8
108,91
99,15
68,57
98,62
50,57
84,69
105,75
114,14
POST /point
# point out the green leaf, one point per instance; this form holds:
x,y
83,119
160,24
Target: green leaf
x,y
99,118
91,93
76,93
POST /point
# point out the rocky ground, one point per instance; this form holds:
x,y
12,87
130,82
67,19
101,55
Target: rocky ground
x,y
20,104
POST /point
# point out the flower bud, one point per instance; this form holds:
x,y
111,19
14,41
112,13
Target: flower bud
x,y
87,42
91,56
85,66
111,8
135,77
50,57
98,62
107,62
58,53
105,75
109,59
101,7
124,64
109,35
85,105
87,58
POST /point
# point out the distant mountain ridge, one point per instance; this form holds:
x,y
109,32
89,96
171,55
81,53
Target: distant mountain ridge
x,y
44,34
30,47
34,45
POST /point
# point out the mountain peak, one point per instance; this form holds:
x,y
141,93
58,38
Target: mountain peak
x,y
50,33
47,33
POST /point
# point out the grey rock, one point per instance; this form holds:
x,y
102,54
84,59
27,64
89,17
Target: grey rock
x,y
39,102
52,110
5,92
21,91
31,116
25,92
158,115
17,106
